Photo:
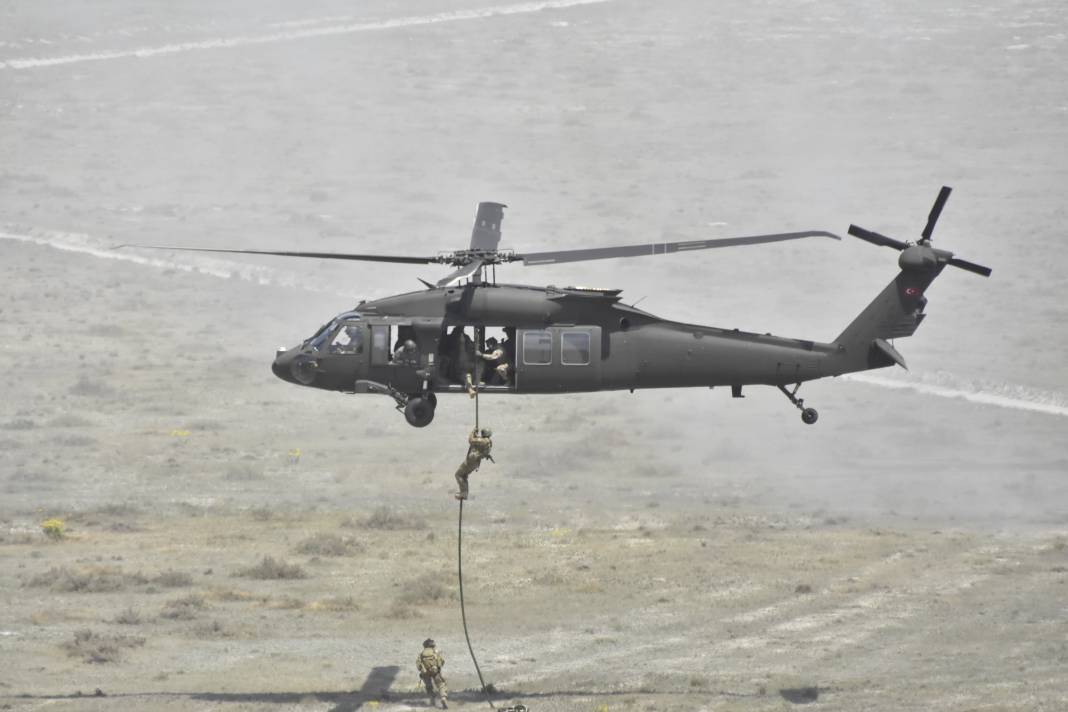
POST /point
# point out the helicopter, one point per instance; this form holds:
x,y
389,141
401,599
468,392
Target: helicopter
x,y
412,347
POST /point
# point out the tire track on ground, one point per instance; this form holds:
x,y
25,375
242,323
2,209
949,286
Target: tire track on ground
x,y
296,34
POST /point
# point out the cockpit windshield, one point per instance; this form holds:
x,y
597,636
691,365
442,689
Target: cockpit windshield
x,y
340,335
347,340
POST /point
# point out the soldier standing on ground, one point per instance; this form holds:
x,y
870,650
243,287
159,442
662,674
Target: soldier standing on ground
x,y
479,446
430,662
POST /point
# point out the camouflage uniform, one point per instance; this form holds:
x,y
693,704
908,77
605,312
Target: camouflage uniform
x,y
478,450
430,662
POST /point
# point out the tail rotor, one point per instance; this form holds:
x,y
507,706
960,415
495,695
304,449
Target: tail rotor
x,y
922,254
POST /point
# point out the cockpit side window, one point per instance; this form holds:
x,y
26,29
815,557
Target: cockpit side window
x,y
347,340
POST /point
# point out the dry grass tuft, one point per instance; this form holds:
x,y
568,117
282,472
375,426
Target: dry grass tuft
x,y
173,579
270,569
87,387
229,595
102,579
95,648
326,544
335,604
129,616
390,519
425,590
184,608
286,603
211,630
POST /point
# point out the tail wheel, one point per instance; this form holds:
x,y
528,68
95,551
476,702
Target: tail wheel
x,y
809,416
419,412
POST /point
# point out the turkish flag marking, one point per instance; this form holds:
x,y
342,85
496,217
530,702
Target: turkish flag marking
x,y
912,291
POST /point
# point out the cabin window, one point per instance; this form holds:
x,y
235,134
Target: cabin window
x,y
537,348
575,348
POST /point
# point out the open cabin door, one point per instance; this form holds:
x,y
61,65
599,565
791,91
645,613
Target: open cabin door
x,y
393,361
558,358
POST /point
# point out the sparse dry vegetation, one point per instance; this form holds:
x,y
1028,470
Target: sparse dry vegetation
x,y
270,568
213,629
424,590
129,616
390,519
86,386
100,579
327,544
172,579
335,604
94,647
184,608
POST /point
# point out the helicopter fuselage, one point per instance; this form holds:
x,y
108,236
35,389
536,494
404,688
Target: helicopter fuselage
x,y
563,340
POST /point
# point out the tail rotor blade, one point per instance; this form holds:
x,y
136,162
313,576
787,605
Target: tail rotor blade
x,y
936,210
970,266
875,238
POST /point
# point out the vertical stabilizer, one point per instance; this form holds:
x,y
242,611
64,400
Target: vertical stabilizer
x,y
895,313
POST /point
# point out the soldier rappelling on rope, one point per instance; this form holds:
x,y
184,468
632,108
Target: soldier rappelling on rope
x,y
480,443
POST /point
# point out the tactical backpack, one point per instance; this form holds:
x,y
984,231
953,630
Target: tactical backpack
x,y
428,663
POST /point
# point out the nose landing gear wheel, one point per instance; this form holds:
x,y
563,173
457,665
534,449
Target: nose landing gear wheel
x,y
809,416
419,412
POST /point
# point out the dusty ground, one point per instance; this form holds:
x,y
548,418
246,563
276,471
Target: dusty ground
x,y
674,550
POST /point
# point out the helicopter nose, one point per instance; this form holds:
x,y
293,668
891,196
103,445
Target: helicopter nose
x,y
283,361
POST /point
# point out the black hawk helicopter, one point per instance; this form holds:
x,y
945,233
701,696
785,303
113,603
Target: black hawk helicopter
x,y
414,346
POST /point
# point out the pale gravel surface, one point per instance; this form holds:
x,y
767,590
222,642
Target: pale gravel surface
x,y
635,551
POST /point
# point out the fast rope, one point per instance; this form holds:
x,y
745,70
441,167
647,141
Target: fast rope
x,y
460,576
463,613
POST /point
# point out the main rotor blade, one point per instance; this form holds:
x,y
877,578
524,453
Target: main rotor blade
x,y
875,238
660,248
970,266
401,259
466,271
936,210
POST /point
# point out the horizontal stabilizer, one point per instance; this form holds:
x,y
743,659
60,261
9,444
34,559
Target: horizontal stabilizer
x,y
890,352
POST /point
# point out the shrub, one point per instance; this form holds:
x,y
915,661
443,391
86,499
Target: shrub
x,y
184,608
326,544
55,529
129,616
388,518
213,629
336,604
101,579
270,568
173,579
423,590
95,648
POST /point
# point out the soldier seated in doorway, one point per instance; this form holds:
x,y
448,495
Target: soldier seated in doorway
x,y
497,365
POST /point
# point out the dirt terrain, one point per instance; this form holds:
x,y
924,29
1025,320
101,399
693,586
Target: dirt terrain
x,y
233,542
